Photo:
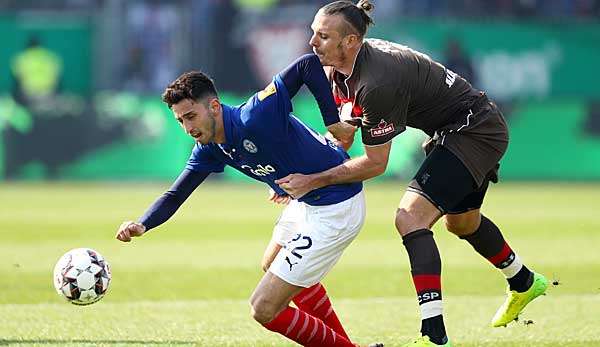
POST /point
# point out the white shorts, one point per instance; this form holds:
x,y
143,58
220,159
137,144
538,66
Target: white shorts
x,y
314,237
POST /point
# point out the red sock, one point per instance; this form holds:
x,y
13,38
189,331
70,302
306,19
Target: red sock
x,y
315,302
306,330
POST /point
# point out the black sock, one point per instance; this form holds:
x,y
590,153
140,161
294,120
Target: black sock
x,y
488,241
426,268
435,329
521,281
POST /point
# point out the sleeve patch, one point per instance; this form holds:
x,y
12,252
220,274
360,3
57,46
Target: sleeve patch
x,y
382,129
269,90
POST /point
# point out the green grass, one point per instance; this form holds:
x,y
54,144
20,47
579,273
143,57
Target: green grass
x,y
188,282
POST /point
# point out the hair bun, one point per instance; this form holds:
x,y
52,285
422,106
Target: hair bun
x,y
365,5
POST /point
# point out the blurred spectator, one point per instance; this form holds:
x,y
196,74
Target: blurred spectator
x,y
388,8
527,8
37,72
255,5
151,61
135,74
457,60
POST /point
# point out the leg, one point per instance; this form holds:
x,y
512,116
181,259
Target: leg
x,y
487,240
270,253
414,213
312,300
414,218
441,182
271,296
463,224
315,237
315,301
270,308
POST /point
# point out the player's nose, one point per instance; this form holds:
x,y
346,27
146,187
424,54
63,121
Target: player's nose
x,y
188,128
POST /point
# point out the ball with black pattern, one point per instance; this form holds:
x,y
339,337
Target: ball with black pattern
x,y
82,276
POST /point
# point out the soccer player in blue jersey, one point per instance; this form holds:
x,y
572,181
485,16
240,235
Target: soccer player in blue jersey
x,y
262,139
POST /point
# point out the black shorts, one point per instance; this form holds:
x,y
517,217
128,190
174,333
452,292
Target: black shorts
x,y
447,183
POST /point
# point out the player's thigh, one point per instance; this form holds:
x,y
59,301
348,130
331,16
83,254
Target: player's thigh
x,y
270,253
445,182
464,218
321,237
285,228
472,201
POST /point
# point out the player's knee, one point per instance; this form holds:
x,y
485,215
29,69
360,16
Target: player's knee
x,y
405,221
461,226
262,310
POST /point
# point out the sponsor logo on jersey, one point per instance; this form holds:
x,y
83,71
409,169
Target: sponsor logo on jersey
x,y
382,129
269,90
260,170
250,146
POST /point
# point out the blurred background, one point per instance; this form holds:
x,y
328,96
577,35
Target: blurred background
x,y
81,80
80,108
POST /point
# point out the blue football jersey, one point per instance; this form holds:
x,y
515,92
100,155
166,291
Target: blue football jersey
x,y
265,141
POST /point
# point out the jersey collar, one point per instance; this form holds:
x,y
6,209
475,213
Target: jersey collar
x,y
356,60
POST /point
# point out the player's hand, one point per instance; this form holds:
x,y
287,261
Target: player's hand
x,y
296,185
345,145
343,133
279,199
130,229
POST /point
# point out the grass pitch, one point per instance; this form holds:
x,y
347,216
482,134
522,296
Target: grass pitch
x,y
188,282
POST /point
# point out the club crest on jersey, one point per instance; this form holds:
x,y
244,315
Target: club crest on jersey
x,y
250,146
382,129
269,90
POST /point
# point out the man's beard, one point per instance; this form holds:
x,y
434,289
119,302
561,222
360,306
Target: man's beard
x,y
338,59
212,126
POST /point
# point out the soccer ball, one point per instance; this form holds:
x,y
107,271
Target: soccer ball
x,y
82,276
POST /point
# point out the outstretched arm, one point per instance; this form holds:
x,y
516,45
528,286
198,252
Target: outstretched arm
x,y
164,207
372,163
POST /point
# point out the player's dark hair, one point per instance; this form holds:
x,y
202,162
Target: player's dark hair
x,y
193,85
358,16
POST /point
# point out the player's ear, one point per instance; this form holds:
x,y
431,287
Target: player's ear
x,y
352,40
214,104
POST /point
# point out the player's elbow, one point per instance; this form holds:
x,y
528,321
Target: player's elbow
x,y
378,165
376,159
379,168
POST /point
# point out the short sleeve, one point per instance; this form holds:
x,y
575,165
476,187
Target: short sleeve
x,y
384,112
202,160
